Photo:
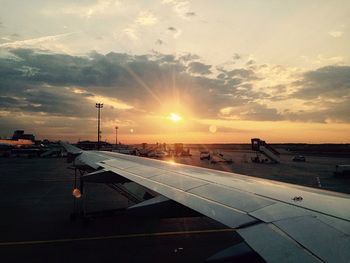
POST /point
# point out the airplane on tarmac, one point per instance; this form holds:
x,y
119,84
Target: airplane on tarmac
x,y
279,221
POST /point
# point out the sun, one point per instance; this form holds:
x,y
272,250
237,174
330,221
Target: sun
x,y
174,117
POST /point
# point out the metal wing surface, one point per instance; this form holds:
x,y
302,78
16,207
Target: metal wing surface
x,y
282,222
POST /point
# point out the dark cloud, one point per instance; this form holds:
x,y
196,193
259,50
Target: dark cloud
x,y
221,76
39,101
252,111
234,81
199,68
141,81
327,89
171,28
250,62
189,57
328,112
236,56
329,82
242,73
261,112
190,14
159,42
37,82
167,58
278,88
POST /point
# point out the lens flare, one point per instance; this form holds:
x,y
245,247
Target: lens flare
x,y
212,128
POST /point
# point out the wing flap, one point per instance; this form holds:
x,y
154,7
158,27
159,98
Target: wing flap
x,y
274,246
279,211
321,239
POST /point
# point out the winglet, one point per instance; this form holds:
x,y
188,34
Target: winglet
x,y
71,149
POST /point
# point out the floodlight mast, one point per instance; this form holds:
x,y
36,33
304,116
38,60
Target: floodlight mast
x,y
116,136
99,106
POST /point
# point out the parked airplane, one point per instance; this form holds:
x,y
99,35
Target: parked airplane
x,y
281,222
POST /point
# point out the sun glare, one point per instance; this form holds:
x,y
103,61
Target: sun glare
x,y
175,117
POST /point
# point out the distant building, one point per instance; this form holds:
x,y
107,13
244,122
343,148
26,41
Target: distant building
x,y
19,138
20,135
92,145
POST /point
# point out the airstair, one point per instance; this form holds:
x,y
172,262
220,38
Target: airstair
x,y
262,147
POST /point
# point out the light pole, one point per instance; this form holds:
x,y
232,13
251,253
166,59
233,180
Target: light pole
x,y
116,136
99,106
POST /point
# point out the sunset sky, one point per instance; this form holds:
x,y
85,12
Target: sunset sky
x,y
196,71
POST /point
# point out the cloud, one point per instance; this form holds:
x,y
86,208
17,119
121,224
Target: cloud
x,y
324,112
34,42
171,28
335,34
236,56
199,68
250,62
146,18
189,57
190,14
251,111
53,82
136,88
327,93
99,7
176,32
246,74
326,82
159,42
131,33
181,8
53,43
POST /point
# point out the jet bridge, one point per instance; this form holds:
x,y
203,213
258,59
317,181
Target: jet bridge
x,y
262,147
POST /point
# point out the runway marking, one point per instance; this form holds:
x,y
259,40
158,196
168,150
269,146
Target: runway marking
x,y
65,240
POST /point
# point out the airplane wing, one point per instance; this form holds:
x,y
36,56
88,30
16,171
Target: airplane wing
x,y
281,222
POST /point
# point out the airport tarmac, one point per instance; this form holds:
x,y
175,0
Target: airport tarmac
x,y
317,171
36,203
35,226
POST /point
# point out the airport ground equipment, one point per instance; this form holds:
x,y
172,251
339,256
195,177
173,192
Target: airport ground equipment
x,y
279,221
299,158
217,157
52,152
262,148
204,155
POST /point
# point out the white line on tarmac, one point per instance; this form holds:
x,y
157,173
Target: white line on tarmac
x,y
64,240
